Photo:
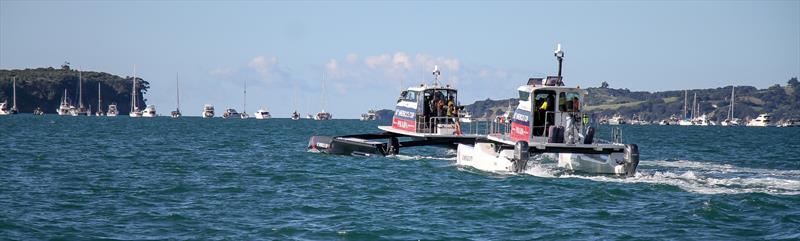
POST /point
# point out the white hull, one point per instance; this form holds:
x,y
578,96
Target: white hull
x,y
483,157
685,123
262,116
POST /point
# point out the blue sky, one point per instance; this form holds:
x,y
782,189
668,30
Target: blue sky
x,y
367,49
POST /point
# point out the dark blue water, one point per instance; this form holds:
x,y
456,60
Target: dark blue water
x,y
77,178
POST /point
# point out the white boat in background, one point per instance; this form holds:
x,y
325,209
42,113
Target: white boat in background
x,y
81,110
369,116
112,110
466,117
731,120
230,113
135,111
208,111
64,108
4,110
150,111
790,123
38,111
762,120
262,114
177,112
701,120
323,115
616,120
99,102
295,115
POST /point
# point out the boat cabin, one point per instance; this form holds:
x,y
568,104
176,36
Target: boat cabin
x,y
426,109
545,103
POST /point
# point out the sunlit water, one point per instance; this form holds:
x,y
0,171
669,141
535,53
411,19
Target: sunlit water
x,y
76,178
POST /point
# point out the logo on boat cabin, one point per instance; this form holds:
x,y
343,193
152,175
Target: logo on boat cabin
x,y
404,119
520,126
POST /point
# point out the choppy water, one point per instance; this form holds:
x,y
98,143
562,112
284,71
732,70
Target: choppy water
x,y
75,178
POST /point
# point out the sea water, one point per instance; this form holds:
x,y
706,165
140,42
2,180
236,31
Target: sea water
x,y
78,178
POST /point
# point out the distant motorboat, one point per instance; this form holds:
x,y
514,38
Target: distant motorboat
x,y
230,113
369,116
262,114
208,111
616,120
112,110
323,115
64,107
38,111
790,123
150,111
295,115
466,117
4,110
762,120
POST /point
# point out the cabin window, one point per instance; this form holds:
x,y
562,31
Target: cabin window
x,y
543,116
524,95
569,102
409,96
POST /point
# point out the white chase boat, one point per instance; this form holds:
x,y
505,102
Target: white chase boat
x,y
549,120
762,120
369,116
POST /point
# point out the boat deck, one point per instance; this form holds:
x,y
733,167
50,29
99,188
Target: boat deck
x,y
598,147
429,135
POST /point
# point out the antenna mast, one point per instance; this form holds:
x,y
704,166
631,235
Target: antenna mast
x,y
560,56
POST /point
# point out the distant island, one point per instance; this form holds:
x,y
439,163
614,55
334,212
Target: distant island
x,y
44,87
781,101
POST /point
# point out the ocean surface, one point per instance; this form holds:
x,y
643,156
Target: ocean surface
x,y
87,178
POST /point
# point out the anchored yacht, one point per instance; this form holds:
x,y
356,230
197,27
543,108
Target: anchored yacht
x,y
99,102
230,113
135,111
64,108
208,111
81,110
150,111
323,115
295,115
762,120
369,116
112,110
177,112
4,110
262,114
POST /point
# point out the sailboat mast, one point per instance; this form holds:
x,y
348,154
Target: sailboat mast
x,y
99,98
733,100
244,109
15,93
80,90
694,106
133,103
685,102
177,94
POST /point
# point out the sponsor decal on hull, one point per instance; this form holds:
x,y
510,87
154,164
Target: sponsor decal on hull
x,y
405,119
520,126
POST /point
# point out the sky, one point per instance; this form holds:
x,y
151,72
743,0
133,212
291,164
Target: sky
x,y
364,52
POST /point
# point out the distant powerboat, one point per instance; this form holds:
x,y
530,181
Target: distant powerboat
x,y
112,110
262,114
208,111
369,116
295,115
790,123
150,111
616,120
230,113
38,111
762,120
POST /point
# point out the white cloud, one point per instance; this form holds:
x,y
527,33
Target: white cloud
x,y
266,67
221,72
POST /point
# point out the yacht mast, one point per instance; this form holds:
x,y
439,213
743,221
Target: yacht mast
x,y
177,94
733,100
133,93
694,106
15,93
99,99
80,90
685,102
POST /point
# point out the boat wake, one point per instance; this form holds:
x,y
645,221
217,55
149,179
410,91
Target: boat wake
x,y
696,177
420,157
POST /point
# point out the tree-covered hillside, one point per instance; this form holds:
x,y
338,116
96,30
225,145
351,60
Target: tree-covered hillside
x,y
44,87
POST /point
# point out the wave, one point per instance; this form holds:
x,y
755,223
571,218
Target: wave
x,y
420,157
698,177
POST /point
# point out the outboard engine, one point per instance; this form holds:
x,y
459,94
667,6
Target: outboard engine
x,y
631,159
521,156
